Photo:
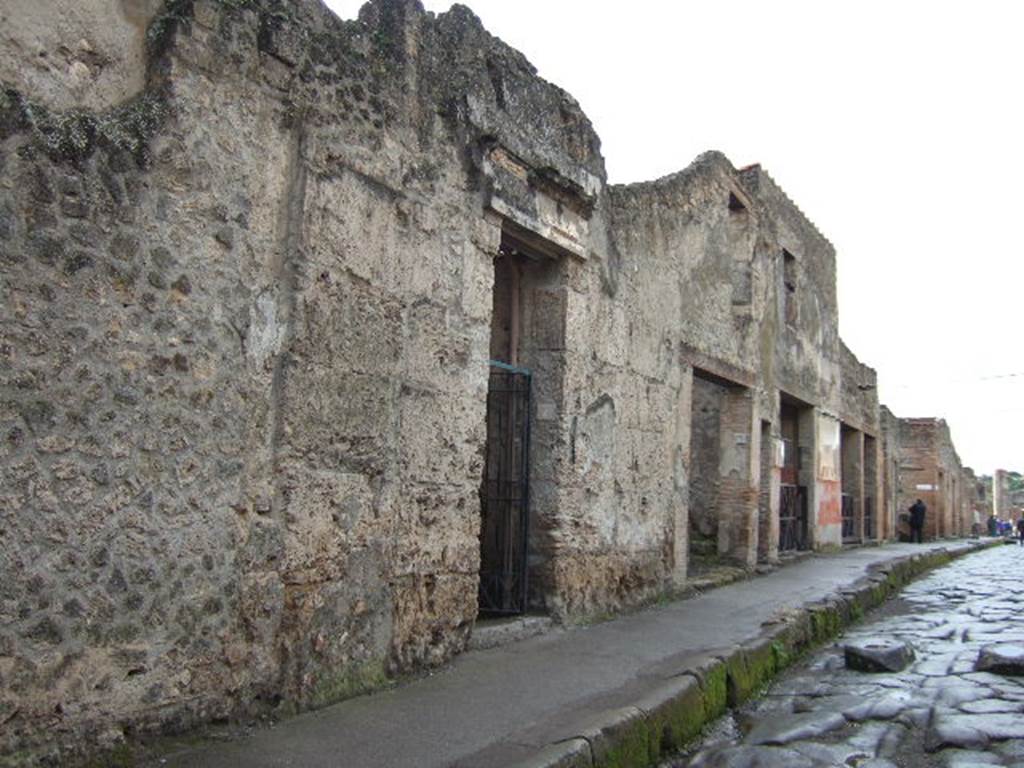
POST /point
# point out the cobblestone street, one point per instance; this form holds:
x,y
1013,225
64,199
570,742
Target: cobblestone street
x,y
940,710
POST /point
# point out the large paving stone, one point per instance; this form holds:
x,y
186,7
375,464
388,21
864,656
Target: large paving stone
x,y
1001,659
753,757
962,758
878,654
954,729
991,706
799,726
885,707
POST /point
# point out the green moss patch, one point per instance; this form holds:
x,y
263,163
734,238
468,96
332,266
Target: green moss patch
x,y
353,681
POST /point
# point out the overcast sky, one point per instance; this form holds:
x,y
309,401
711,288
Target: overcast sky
x,y
896,127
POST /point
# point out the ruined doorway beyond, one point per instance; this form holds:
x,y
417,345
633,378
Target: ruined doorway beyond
x,y
705,479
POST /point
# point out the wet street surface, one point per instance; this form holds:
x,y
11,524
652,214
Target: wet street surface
x,y
958,701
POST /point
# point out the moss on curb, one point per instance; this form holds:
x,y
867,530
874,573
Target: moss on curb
x,y
743,672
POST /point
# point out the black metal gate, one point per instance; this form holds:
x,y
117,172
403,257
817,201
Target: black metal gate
x,y
505,494
869,518
849,524
792,518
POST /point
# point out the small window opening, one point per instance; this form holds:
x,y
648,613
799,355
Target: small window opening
x,y
736,205
789,286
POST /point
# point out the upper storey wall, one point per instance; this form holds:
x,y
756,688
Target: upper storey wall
x,y
807,346
755,280
681,233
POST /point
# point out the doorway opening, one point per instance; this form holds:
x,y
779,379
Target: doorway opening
x,y
523,399
793,524
851,474
871,524
767,528
705,475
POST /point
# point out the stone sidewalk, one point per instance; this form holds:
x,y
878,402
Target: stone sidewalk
x,y
620,693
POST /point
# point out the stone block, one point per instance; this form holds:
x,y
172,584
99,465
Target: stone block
x,y
878,655
445,437
801,726
436,528
1002,659
619,738
675,713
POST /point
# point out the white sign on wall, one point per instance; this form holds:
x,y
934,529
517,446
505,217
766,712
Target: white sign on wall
x,y
925,487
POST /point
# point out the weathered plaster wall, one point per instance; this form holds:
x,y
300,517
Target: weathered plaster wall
x,y
58,52
859,393
756,286
680,233
805,357
890,509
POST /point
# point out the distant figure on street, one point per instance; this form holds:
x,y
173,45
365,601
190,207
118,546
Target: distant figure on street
x,y
1020,530
917,512
993,526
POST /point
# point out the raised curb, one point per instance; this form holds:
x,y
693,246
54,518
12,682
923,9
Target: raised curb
x,y
673,711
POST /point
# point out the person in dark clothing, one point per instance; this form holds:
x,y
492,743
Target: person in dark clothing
x,y
993,526
917,512
1020,530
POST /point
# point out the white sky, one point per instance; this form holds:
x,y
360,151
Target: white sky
x,y
895,126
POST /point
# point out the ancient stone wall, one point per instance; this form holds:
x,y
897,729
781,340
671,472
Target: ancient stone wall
x,y
802,350
248,306
685,224
973,514
918,473
954,522
247,317
930,469
859,393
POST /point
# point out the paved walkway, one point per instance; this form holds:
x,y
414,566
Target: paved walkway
x,y
498,707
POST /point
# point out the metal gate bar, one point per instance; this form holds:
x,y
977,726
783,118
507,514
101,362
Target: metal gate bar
x,y
869,517
505,520
849,528
792,518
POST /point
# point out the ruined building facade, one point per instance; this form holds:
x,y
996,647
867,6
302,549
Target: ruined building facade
x,y
321,337
927,467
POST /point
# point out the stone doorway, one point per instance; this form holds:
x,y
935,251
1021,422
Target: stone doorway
x,y
795,475
526,365
851,449
705,480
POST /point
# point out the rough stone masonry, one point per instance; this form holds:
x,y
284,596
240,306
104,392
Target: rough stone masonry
x,y
254,262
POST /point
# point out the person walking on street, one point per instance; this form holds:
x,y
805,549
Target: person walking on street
x,y
1020,530
917,513
993,526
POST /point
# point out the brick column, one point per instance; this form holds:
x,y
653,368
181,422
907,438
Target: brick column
x,y
740,475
